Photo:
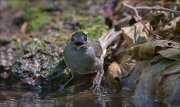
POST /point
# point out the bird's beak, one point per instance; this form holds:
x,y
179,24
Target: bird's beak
x,y
78,45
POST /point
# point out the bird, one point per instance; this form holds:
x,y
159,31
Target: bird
x,y
84,56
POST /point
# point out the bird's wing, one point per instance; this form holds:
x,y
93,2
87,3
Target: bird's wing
x,y
108,38
98,49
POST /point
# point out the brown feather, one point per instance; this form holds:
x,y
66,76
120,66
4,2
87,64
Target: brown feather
x,y
98,49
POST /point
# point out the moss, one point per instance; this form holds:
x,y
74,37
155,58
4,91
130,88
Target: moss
x,y
93,25
96,31
14,4
62,36
33,46
36,17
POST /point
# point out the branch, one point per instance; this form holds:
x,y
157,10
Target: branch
x,y
137,15
132,8
157,9
150,8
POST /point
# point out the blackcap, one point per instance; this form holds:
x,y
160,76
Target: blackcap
x,y
84,56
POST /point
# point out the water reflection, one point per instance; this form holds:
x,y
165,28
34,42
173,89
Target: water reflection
x,y
83,99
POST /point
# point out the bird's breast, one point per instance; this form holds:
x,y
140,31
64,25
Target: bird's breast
x,y
80,60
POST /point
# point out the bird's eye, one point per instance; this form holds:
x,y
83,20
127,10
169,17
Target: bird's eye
x,y
73,39
85,38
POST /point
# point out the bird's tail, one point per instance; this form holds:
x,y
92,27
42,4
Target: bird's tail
x,y
108,38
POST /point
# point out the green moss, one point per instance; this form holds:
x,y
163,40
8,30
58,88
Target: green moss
x,y
33,46
17,3
89,21
62,36
36,17
93,25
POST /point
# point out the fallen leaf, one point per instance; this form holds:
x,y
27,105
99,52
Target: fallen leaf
x,y
114,76
135,34
24,27
171,53
148,50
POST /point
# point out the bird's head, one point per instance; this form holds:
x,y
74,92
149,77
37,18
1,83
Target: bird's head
x,y
79,39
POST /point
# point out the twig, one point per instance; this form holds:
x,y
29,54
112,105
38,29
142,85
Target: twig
x,y
132,8
137,15
150,8
157,9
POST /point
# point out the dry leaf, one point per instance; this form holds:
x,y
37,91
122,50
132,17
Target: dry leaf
x,y
177,30
171,53
135,34
126,67
114,76
24,27
166,48
172,24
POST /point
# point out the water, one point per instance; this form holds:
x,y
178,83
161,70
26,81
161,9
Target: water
x,y
9,98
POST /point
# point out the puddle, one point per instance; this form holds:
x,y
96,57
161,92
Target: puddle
x,y
83,99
